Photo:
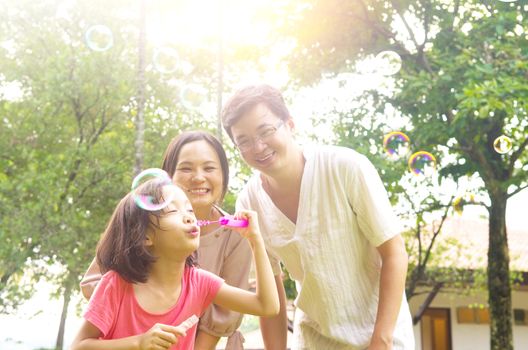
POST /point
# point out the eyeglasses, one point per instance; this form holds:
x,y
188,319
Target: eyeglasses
x,y
247,144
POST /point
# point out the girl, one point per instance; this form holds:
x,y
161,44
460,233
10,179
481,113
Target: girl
x,y
151,287
196,161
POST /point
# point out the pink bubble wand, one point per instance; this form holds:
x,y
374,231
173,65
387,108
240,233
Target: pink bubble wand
x,y
227,220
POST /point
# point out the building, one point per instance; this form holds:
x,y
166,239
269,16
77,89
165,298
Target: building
x,y
457,320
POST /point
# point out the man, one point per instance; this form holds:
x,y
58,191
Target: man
x,y
326,216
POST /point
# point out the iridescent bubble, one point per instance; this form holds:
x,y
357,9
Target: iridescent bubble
x,y
193,96
422,163
165,60
502,144
149,201
388,62
396,144
99,38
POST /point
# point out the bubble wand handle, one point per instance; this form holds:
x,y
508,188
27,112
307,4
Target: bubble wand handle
x,y
227,220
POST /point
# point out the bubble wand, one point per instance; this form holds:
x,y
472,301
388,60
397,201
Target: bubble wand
x,y
227,220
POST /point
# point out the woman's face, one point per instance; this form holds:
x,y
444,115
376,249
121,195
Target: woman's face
x,y
199,173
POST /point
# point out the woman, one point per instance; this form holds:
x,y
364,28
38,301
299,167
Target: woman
x,y
196,161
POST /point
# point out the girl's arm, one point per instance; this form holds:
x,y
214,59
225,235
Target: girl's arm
x,y
159,336
265,302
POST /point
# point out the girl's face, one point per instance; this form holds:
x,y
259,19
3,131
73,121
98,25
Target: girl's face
x,y
199,173
263,139
177,230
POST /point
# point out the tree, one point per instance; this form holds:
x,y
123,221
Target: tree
x,y
462,85
57,172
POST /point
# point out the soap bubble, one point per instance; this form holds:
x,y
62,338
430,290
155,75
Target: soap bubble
x,y
388,62
422,163
99,38
396,144
502,144
146,201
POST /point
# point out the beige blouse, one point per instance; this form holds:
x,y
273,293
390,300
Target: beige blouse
x,y
227,254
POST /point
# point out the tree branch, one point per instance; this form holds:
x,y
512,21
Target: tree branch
x,y
515,155
517,191
427,302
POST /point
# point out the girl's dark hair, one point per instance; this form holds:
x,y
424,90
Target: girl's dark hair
x,y
172,154
245,99
122,247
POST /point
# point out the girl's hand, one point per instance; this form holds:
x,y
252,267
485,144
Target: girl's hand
x,y
161,337
252,231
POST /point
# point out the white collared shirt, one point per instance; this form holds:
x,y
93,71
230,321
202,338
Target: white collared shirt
x,y
343,215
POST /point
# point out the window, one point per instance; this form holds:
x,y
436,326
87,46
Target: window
x,y
520,317
477,315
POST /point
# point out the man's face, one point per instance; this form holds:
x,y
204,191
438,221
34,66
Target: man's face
x,y
262,138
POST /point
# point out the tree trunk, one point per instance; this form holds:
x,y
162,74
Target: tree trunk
x,y
140,117
499,288
220,87
60,336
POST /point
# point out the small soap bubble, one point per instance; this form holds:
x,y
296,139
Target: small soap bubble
x,y
165,60
502,144
148,201
422,163
388,63
396,144
193,96
99,38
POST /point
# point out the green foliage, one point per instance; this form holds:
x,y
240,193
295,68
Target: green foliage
x,y
64,147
